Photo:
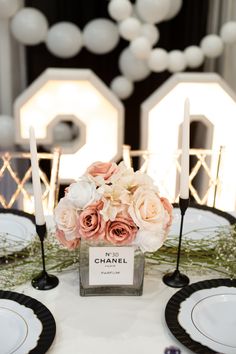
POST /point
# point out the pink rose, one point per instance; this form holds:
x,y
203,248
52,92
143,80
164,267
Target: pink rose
x,y
121,231
91,224
70,244
102,169
169,209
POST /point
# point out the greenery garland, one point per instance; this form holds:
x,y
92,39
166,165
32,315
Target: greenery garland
x,y
214,252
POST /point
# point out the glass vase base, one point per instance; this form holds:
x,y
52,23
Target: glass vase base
x,y
121,290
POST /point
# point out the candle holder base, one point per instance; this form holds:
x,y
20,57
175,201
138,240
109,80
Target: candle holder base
x,y
45,281
176,279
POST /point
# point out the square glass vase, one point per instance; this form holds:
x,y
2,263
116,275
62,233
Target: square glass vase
x,y
107,269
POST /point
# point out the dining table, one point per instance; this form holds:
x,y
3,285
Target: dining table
x,y
112,324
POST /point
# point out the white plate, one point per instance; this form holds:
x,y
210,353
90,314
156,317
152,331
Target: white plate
x,y
16,233
209,317
20,328
198,223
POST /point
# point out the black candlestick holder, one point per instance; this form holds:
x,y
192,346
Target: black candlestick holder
x,y
43,281
177,279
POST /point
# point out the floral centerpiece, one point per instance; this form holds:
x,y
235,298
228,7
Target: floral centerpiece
x,y
114,204
114,215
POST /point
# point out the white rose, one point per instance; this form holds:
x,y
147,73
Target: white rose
x,y
65,217
82,193
149,241
146,209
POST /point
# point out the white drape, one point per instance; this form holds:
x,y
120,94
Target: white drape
x,y
220,12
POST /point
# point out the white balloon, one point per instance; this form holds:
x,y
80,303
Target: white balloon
x,y
212,46
119,9
8,8
62,132
100,36
122,87
175,6
176,61
140,47
130,28
228,32
64,39
131,67
135,13
158,60
194,56
7,131
29,26
151,32
153,11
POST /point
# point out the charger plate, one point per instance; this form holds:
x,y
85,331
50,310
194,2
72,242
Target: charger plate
x,y
200,221
27,326
17,229
202,316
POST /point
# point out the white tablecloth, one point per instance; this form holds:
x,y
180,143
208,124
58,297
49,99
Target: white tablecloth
x,y
106,324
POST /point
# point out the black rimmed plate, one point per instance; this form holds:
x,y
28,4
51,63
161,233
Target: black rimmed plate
x,y
17,230
200,221
202,316
42,314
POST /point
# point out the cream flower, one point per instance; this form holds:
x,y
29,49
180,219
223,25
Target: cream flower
x,y
150,241
130,180
65,216
147,210
115,199
141,179
123,176
82,193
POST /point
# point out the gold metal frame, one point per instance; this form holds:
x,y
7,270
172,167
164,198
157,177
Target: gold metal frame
x,y
201,156
51,184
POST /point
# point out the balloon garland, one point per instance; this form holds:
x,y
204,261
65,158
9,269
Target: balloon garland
x,y
136,23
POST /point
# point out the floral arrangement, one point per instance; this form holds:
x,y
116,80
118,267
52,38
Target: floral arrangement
x,y
114,204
